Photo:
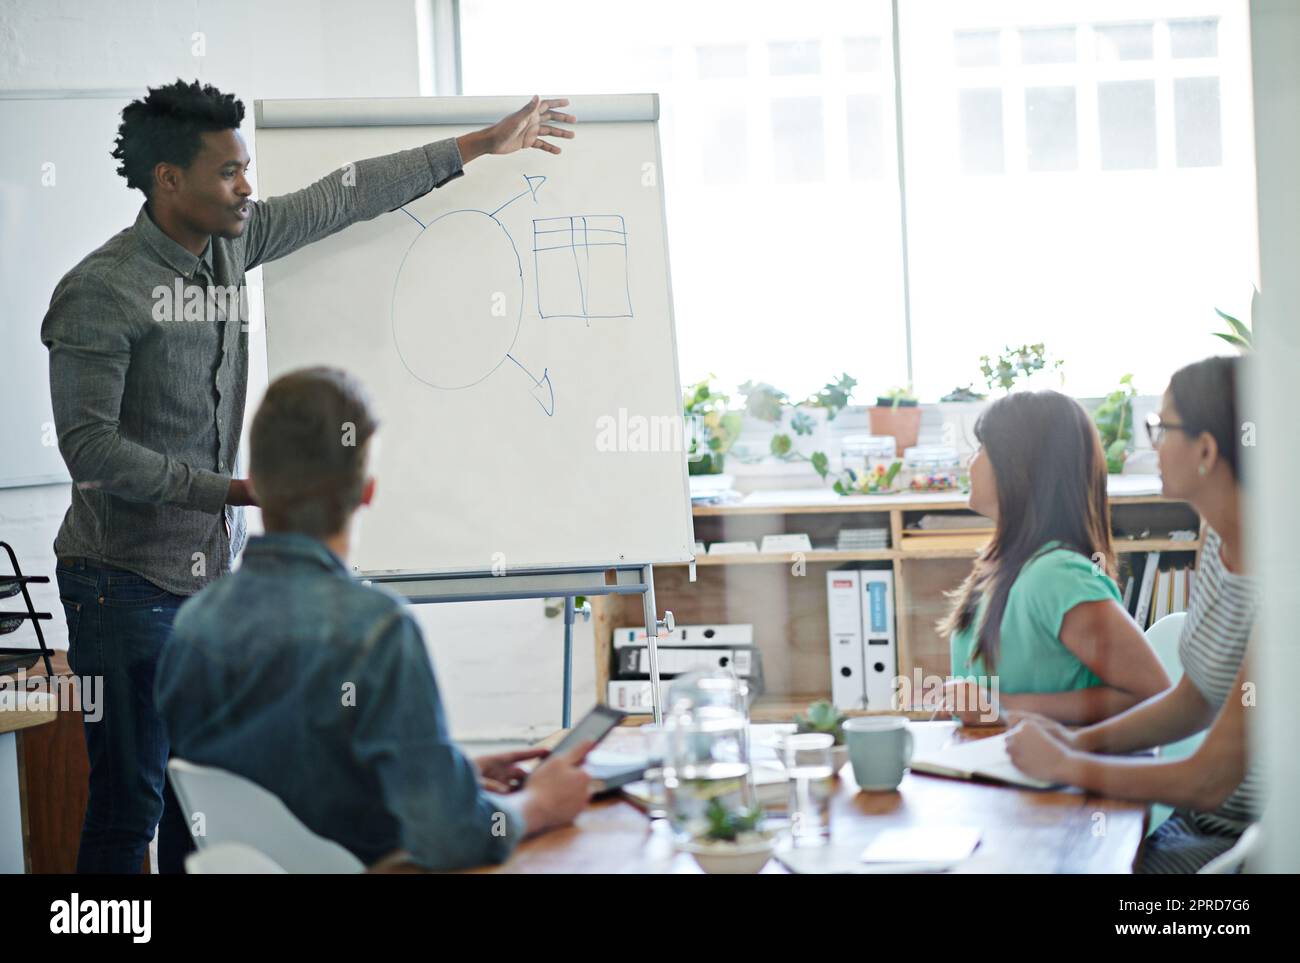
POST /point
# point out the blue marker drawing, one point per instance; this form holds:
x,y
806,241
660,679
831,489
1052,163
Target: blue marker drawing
x,y
542,387
581,266
458,299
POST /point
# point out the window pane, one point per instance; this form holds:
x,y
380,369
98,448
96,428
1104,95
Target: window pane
x,y
1194,38
866,137
1114,274
795,58
980,117
798,138
725,150
780,187
977,48
1196,122
1127,117
1125,41
1049,45
1051,130
721,60
861,54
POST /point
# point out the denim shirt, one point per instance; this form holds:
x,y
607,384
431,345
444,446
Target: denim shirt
x,y
320,689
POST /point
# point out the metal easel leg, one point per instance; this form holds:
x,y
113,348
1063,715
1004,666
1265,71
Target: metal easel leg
x,y
652,639
566,715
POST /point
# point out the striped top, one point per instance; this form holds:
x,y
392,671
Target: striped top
x,y
1211,648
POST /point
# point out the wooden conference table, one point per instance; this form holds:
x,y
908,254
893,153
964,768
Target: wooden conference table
x,y
1023,831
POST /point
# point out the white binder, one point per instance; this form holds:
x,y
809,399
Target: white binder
x,y
844,619
879,640
740,634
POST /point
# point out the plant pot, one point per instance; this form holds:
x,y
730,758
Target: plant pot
x,y
818,440
959,419
709,463
731,859
903,422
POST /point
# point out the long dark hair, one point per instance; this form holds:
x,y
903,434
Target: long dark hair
x,y
1051,479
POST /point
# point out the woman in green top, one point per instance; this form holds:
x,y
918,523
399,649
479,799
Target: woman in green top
x,y
1040,611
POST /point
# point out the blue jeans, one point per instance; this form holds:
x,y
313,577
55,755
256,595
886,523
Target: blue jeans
x,y
117,624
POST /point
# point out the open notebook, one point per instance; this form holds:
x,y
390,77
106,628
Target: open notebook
x,y
984,759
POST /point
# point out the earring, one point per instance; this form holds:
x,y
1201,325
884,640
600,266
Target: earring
x,y
1201,470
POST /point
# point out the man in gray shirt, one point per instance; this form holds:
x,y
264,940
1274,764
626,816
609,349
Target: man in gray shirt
x,y
148,377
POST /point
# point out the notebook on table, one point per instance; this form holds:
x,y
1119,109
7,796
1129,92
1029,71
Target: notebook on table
x,y
977,759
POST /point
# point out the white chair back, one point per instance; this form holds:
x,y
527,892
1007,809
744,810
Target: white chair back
x,y
221,807
231,859
1163,636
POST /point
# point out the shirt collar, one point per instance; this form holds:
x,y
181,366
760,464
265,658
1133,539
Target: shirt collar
x,y
294,547
181,260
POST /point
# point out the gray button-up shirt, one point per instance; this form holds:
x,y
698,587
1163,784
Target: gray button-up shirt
x,y
149,396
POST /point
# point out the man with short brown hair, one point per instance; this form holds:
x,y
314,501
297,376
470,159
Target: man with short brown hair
x,y
293,674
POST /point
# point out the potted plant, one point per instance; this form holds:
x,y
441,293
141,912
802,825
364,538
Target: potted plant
x,y
824,717
965,394
959,410
799,429
1021,363
711,427
897,413
733,843
1114,421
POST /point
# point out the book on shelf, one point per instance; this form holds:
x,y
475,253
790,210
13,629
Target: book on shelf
x,y
1157,584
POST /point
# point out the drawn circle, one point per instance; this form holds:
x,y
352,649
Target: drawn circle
x,y
458,300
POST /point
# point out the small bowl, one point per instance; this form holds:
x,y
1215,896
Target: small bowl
x,y
731,859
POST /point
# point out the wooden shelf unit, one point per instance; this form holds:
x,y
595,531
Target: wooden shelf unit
x,y
783,595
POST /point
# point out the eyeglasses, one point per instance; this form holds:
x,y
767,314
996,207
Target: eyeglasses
x,y
1156,429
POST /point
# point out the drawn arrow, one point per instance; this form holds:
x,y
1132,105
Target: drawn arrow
x,y
534,182
542,387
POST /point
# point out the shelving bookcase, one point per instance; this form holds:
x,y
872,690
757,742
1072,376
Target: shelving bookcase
x,y
788,609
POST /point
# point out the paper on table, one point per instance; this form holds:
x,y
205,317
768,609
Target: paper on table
x,y
845,860
922,844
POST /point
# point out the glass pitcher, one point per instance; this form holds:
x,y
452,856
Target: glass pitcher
x,y
707,771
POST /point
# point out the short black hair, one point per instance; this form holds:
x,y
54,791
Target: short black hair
x,y
166,127
309,450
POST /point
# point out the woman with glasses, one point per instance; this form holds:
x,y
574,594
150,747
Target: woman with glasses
x,y
1214,792
1040,616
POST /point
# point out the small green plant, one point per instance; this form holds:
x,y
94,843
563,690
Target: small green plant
x,y
767,403
1114,421
822,717
963,393
871,482
1239,335
718,428
834,395
896,396
726,824
1016,363
762,401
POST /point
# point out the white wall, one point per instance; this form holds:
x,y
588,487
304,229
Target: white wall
x,y
499,663
1271,394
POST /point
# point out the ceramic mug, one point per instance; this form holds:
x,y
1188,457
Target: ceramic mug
x,y
880,749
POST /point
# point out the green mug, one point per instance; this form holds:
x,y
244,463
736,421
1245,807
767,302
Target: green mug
x,y
880,748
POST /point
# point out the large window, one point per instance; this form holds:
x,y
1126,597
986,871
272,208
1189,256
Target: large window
x,y
1077,172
